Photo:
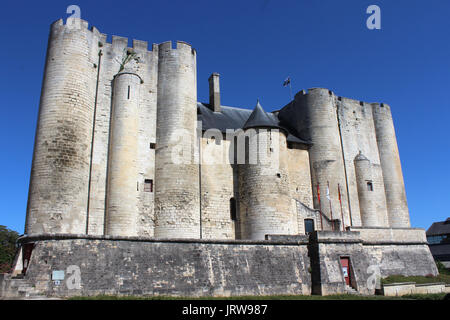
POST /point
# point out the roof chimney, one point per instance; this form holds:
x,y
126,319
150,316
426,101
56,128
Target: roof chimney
x,y
214,92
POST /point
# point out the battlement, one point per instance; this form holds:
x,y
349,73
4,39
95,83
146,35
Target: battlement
x,y
116,41
303,93
180,45
381,106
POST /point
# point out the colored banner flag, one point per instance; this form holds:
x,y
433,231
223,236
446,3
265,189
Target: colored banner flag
x,y
328,192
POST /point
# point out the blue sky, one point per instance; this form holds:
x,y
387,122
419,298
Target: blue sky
x,y
255,45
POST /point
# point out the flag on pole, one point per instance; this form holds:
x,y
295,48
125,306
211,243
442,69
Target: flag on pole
x,y
340,203
286,83
320,207
331,209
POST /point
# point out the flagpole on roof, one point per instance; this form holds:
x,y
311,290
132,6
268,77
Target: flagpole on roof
x,y
288,82
290,88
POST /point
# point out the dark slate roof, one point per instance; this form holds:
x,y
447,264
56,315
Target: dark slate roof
x,y
236,118
259,118
439,228
440,251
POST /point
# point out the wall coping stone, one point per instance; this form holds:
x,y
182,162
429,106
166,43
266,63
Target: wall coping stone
x,y
430,284
398,284
416,284
385,228
44,237
387,243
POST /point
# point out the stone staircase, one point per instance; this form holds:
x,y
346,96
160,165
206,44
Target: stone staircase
x,y
16,287
350,290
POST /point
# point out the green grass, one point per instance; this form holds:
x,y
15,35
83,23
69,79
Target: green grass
x,y
417,279
438,296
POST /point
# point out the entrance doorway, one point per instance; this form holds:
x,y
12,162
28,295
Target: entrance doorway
x,y
26,256
347,271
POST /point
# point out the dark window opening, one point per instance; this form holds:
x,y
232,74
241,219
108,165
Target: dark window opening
x,y
369,186
438,239
128,92
152,145
247,150
233,214
309,225
279,175
148,185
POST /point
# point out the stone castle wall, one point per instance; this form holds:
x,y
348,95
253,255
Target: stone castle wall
x,y
340,129
280,265
358,135
217,189
179,267
114,120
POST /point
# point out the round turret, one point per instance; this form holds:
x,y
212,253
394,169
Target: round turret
x,y
177,201
123,172
266,206
366,195
397,205
326,158
58,196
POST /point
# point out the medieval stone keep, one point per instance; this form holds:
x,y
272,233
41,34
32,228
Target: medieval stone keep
x,y
141,189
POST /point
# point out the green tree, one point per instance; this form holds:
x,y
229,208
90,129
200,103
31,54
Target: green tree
x,y
441,268
7,248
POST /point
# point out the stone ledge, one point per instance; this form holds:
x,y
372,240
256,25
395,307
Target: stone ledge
x,y
335,237
371,235
44,237
394,243
384,228
404,288
398,284
430,284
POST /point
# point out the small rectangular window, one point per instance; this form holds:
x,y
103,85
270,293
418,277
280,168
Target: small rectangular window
x,y
309,225
128,92
148,185
152,145
369,186
233,214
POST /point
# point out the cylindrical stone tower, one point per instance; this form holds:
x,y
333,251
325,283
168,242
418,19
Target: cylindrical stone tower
x,y
58,195
266,205
122,198
366,195
397,205
177,200
326,157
